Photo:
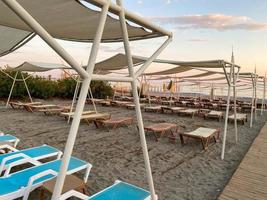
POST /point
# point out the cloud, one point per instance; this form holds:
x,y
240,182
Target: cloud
x,y
212,21
197,40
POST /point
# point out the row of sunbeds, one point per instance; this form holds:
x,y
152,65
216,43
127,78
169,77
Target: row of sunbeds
x,y
20,183
100,119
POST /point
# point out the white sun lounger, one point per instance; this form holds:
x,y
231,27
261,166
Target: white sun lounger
x,y
239,117
20,184
203,134
153,109
18,157
10,139
190,112
214,114
118,191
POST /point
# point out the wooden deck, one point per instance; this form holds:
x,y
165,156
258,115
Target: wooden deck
x,y
249,182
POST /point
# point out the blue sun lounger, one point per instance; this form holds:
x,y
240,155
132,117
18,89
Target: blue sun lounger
x,y
20,184
118,191
19,157
9,139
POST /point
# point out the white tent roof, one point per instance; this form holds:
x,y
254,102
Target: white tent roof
x,y
11,39
72,20
116,62
39,67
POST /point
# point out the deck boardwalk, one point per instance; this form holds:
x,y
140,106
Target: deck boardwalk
x,y
249,182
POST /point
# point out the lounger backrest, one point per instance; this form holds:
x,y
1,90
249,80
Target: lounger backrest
x,y
20,179
35,152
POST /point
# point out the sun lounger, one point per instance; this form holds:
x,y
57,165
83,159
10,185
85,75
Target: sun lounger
x,y
21,105
31,108
153,109
71,114
95,117
161,129
18,157
203,134
166,109
9,139
132,106
21,183
189,112
114,123
118,191
55,111
214,114
105,103
239,117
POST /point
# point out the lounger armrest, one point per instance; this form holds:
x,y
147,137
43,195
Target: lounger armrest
x,y
73,193
25,159
30,184
6,146
88,169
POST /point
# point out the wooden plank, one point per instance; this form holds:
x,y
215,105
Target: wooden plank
x,y
249,182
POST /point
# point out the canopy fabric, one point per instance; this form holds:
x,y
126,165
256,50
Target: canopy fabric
x,y
11,39
190,76
116,62
70,20
39,67
175,70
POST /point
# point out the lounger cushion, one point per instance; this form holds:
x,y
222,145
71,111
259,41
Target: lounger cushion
x,y
31,152
121,191
7,138
202,132
20,179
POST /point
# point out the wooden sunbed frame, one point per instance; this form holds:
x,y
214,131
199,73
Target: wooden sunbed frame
x,y
114,123
153,109
214,114
187,112
204,140
240,117
66,115
161,129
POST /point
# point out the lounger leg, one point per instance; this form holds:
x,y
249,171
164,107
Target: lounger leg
x,y
182,139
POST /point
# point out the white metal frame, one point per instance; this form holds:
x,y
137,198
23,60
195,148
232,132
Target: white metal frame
x,y
231,81
263,103
23,79
87,75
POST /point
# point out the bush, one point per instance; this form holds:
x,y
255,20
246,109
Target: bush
x,y
44,89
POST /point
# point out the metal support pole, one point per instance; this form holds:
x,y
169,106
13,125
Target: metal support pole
x,y
92,99
137,103
235,77
26,86
80,105
11,89
31,22
227,112
263,98
256,100
252,101
152,58
74,99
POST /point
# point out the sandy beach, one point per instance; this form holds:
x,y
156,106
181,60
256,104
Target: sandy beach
x,y
180,172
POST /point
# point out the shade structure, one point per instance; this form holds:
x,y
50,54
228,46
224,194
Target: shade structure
x,y
71,20
31,11
11,39
39,67
117,62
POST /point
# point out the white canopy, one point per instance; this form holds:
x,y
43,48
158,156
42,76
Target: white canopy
x,y
71,20
116,62
11,39
39,67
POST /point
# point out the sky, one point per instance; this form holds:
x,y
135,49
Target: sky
x,y
202,30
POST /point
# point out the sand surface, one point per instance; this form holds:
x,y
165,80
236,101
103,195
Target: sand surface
x,y
180,172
